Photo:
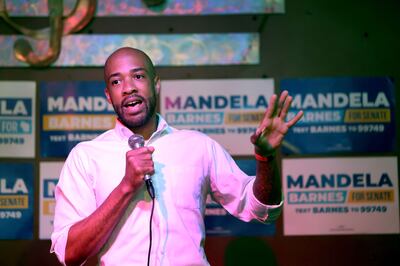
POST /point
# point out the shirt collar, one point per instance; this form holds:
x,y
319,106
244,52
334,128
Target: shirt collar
x,y
162,128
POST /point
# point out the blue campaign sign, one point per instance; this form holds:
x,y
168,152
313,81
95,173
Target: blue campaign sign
x,y
71,112
341,115
220,223
16,200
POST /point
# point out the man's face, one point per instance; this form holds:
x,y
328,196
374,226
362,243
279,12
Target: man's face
x,y
132,88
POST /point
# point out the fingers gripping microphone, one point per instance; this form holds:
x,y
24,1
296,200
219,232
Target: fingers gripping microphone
x,y
136,141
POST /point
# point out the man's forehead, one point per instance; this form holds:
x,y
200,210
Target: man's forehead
x,y
131,57
127,59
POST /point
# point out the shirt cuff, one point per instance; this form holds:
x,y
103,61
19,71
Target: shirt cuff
x,y
265,213
59,244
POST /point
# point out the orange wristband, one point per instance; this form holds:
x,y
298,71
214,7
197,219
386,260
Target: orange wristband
x,y
261,158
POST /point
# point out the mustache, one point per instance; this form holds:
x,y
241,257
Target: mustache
x,y
133,97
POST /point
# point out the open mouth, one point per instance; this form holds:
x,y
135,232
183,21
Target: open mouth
x,y
133,104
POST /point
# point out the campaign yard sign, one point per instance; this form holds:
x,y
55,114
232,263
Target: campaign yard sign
x,y
71,112
49,175
17,119
227,110
16,200
341,115
332,196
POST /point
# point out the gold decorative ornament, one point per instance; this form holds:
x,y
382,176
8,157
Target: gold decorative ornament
x,y
78,18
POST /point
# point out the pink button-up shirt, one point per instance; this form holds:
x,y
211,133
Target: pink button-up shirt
x,y
188,166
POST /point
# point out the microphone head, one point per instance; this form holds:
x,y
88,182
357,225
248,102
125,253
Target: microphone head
x,y
136,141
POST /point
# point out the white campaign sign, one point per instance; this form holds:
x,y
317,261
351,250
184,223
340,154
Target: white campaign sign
x,y
17,119
49,174
228,110
328,196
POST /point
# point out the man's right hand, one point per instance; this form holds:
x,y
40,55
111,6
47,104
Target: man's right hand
x,y
139,163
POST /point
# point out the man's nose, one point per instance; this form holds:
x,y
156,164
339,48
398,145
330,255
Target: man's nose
x,y
129,87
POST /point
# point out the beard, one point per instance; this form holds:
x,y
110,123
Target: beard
x,y
138,120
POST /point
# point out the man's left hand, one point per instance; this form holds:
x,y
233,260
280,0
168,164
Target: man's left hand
x,y
272,129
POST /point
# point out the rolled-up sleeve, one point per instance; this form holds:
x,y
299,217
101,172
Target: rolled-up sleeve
x,y
233,189
262,212
75,200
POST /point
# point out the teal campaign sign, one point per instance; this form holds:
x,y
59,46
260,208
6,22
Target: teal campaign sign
x,y
341,115
16,201
71,112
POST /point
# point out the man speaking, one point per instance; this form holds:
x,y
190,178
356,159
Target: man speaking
x,y
136,194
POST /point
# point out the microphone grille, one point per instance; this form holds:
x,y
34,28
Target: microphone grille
x,y
136,141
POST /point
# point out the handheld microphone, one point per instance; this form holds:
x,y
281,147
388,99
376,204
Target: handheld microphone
x,y
136,141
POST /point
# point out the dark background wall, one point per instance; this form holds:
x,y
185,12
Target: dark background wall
x,y
313,38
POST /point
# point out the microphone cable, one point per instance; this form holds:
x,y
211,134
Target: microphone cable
x,y
136,141
150,231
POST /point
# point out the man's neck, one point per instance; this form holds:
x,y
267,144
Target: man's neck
x,y
148,129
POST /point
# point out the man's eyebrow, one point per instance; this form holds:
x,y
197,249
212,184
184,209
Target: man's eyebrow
x,y
133,70
114,75
138,69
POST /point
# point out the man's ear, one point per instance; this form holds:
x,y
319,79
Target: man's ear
x,y
106,92
157,84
